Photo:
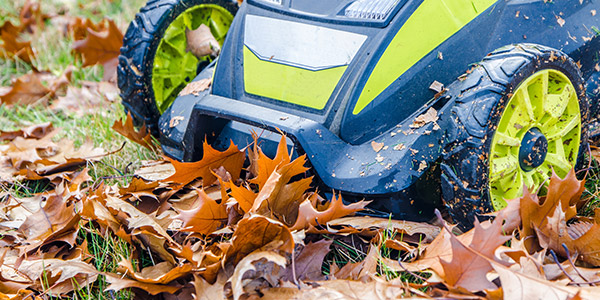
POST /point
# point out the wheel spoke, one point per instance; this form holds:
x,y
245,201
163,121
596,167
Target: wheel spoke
x,y
506,140
573,122
556,104
503,166
558,162
528,179
524,97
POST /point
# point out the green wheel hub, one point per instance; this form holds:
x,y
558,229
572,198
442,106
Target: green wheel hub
x,y
539,131
174,67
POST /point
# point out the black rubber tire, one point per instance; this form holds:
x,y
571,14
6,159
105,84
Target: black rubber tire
x,y
139,48
480,103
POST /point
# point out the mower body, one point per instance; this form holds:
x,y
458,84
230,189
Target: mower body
x,y
338,87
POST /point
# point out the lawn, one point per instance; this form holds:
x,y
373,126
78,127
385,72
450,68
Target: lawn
x,y
206,232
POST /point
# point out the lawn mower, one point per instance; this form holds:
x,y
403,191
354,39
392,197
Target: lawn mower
x,y
415,104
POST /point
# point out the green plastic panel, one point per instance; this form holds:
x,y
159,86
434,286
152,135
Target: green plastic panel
x,y
289,84
431,24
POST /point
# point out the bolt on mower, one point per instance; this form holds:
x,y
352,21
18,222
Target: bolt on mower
x,y
415,104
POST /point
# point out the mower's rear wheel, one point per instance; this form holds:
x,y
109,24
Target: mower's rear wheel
x,y
523,111
154,65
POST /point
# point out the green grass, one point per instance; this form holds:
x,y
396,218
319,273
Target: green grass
x,y
53,52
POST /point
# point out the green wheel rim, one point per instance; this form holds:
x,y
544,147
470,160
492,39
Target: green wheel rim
x,y
174,67
548,101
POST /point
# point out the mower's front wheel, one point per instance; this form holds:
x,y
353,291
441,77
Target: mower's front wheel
x,y
154,65
522,112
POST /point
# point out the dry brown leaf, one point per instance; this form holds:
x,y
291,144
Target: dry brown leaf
x,y
263,165
428,117
78,27
341,289
155,170
377,146
232,160
37,131
469,271
308,215
101,48
63,275
308,262
428,231
25,90
12,42
142,137
207,291
194,88
207,217
563,193
87,98
279,199
201,42
258,232
247,264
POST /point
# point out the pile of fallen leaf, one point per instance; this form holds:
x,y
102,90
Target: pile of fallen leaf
x,y
218,229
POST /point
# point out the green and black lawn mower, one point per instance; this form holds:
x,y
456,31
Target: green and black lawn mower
x,y
398,101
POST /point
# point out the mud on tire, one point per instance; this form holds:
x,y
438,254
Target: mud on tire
x,y
139,48
479,107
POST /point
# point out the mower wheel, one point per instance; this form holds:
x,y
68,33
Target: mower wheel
x,y
154,65
521,113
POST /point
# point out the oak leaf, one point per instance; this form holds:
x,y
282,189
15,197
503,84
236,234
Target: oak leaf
x,y
12,43
264,166
375,288
258,232
308,215
467,270
265,261
207,217
308,262
142,136
231,159
37,131
25,90
101,48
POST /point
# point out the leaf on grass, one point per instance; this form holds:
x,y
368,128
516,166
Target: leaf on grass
x,y
85,99
428,231
27,89
101,47
231,159
37,131
78,27
308,215
62,276
12,43
142,137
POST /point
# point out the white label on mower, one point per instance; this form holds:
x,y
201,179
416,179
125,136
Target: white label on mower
x,y
301,45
